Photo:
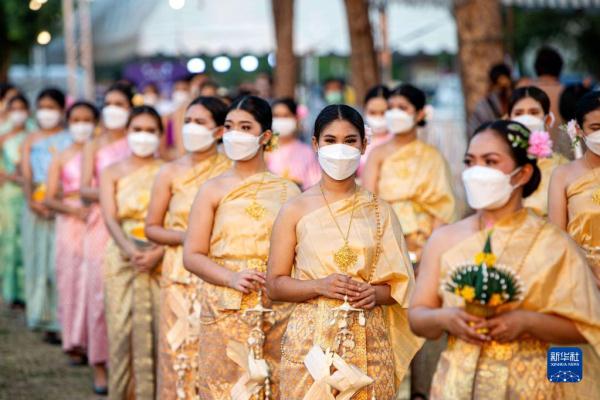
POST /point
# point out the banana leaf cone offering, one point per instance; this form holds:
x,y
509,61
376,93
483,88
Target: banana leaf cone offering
x,y
483,284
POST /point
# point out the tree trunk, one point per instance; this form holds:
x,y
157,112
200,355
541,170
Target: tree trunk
x,y
5,46
286,63
363,60
480,41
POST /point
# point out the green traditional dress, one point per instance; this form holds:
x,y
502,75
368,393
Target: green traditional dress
x,y
11,207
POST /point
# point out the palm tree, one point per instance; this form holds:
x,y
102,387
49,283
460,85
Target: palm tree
x,y
480,43
286,63
363,59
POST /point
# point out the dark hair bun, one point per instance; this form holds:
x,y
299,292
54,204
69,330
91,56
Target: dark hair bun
x,y
588,103
55,94
258,107
146,110
214,105
337,112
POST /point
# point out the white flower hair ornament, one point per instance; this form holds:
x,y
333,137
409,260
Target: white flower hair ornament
x,y
571,128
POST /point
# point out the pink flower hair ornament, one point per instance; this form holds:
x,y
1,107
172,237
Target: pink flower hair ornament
x,y
540,145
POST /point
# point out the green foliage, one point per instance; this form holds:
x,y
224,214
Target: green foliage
x,y
19,26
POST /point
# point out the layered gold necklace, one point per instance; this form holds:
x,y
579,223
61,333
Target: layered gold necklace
x,y
345,257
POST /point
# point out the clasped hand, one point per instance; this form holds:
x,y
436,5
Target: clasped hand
x,y
339,286
145,260
504,327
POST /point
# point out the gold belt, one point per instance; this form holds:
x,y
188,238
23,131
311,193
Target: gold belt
x,y
506,351
258,264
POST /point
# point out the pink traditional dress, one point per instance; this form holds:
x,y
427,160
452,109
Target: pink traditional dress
x,y
295,161
94,245
69,257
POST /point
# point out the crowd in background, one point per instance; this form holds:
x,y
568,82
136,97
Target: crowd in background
x,y
135,233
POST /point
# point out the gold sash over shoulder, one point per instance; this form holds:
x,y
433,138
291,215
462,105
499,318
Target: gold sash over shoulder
x,y
385,345
131,298
557,281
180,303
416,181
239,241
584,216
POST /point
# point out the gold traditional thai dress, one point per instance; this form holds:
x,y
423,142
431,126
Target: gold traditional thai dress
x,y
180,305
240,240
583,206
416,181
131,298
538,200
556,281
382,344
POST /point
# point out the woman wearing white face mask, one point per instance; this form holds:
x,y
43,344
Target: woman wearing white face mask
x,y
574,205
559,303
227,245
62,197
338,244
38,220
409,174
291,159
531,107
131,264
375,107
101,151
172,195
12,205
574,197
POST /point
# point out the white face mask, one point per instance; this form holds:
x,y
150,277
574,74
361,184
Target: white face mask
x,y
180,97
18,118
81,131
377,124
115,117
534,124
196,137
240,146
143,144
487,188
399,121
284,126
339,161
48,119
592,141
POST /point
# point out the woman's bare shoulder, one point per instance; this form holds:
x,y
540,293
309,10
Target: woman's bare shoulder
x,y
447,236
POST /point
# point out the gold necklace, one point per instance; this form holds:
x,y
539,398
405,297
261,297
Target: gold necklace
x,y
255,209
595,192
345,257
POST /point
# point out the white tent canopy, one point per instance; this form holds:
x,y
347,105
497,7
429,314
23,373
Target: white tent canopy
x,y
150,27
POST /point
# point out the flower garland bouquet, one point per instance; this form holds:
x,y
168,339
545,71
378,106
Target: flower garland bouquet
x,y
483,284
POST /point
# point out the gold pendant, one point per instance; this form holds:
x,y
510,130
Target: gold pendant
x,y
596,196
345,257
255,210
